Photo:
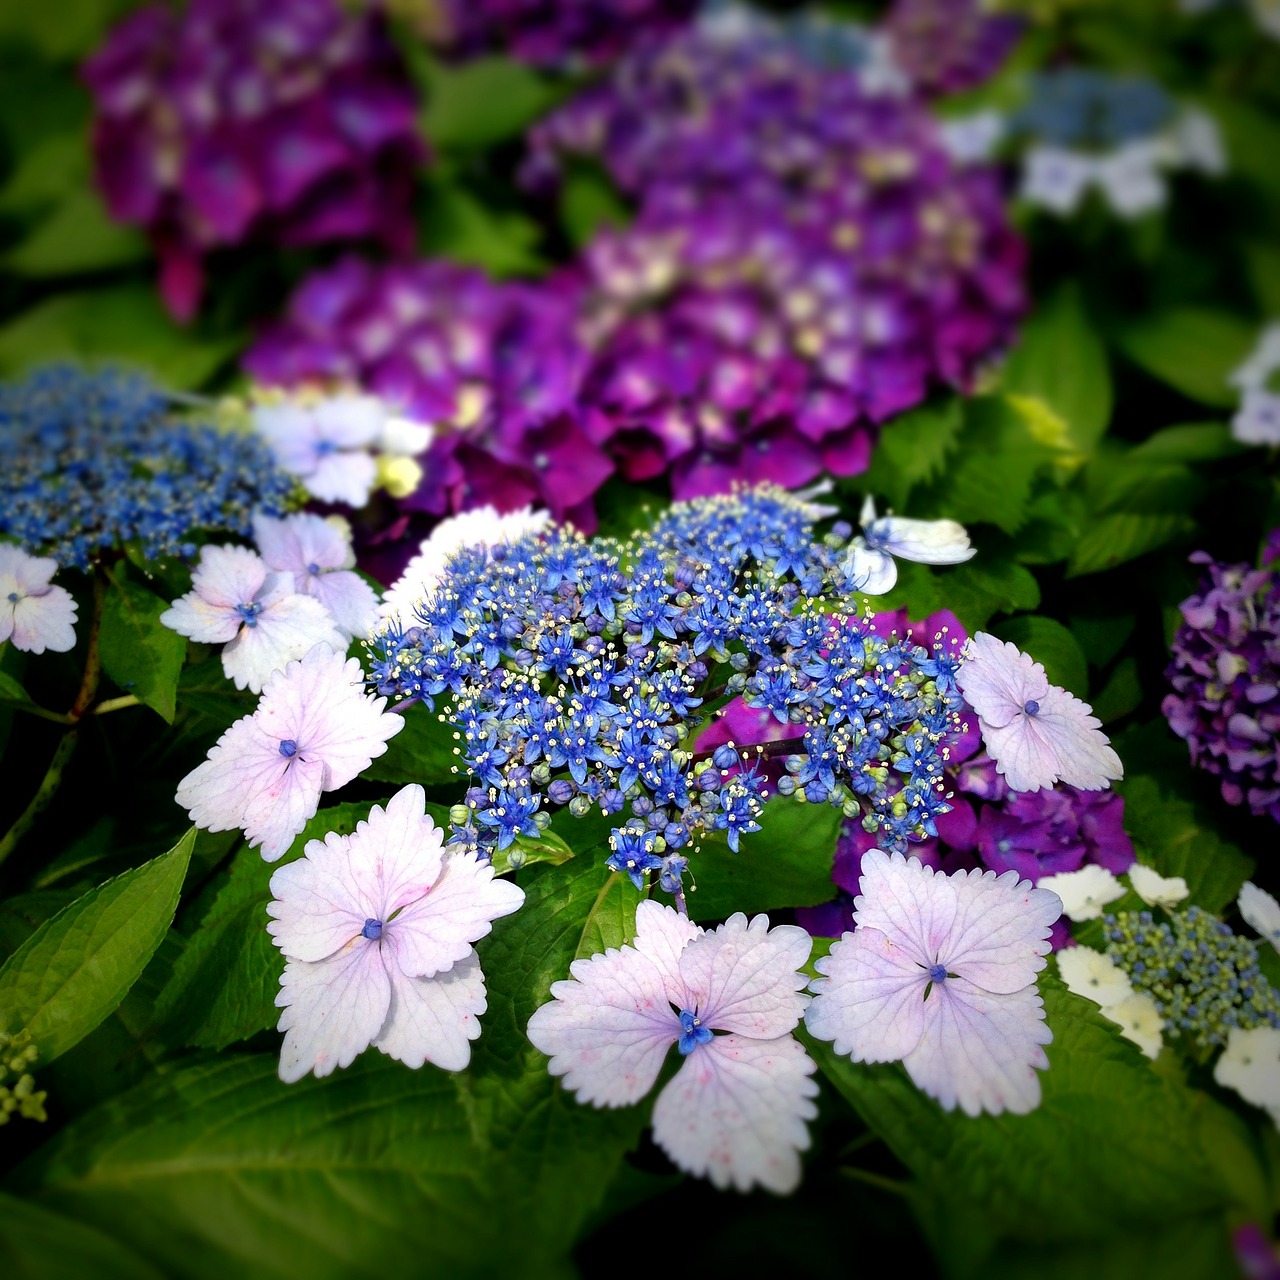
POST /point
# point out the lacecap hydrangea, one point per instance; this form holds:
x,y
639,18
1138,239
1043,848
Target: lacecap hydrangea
x,y
579,674
91,460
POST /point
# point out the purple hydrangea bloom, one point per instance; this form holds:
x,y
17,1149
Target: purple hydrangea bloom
x,y
804,264
948,46
293,123
1225,675
555,32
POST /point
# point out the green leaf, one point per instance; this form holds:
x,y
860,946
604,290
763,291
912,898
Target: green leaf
x,y
460,226
423,751
482,101
1122,692
1262,261
138,651
62,31
526,851
1057,376
124,323
1175,837
1192,350
1141,486
589,201
1131,1150
787,863
38,1244
77,235
12,694
204,687
1198,442
224,985
1053,646
1117,538
77,967
912,450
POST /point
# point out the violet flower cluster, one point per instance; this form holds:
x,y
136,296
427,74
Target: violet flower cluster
x,y
93,460
1225,675
579,672
496,367
948,46
292,123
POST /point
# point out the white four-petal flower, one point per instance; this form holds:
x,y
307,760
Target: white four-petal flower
x,y
940,974
34,614
1157,890
377,930
1084,892
870,558
735,1112
1250,1065
1261,911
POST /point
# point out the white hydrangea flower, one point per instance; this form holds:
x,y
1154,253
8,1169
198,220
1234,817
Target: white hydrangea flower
x,y
1257,420
735,1112
1261,911
1250,1064
973,138
34,614
1131,179
1093,975
1157,890
1084,893
1139,1020
869,561
1056,178
377,930
326,443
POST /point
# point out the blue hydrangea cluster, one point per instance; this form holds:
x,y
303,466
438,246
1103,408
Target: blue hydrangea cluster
x,y
94,460
1203,979
1085,107
580,673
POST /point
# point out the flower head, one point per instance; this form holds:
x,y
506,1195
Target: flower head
x,y
940,975
1093,975
1157,890
1260,910
729,999
34,614
376,928
871,557
1250,1065
314,730
257,616
1084,892
1138,1017
1036,732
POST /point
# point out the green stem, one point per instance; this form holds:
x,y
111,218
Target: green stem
x,y
114,704
891,1185
43,797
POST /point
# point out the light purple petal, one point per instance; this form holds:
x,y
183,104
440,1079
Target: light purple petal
x,y
433,1019
228,576
1062,741
43,621
315,911
744,977
194,617
274,814
1001,932
437,930
295,543
342,477
243,760
870,1003
871,572
608,1028
662,934
925,541
908,902
980,1051
998,679
735,1112
286,630
332,1010
351,601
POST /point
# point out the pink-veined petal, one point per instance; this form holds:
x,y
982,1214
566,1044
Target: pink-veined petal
x,y
1062,741
1001,933
433,1019
608,1028
662,934
351,601
314,911
745,977
912,904
345,477
980,1051
736,1112
870,1001
332,1009
285,631
275,814
998,679
229,575
45,621
437,929
198,620
242,761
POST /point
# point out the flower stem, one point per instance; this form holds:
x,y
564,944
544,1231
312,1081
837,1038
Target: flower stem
x,y
43,797
891,1185
114,704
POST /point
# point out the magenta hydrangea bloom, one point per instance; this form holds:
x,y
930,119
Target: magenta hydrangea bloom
x,y
314,730
940,974
729,1000
288,123
377,930
948,46
805,263
1225,675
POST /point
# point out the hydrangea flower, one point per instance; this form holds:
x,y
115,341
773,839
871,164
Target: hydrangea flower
x,y
1036,732
257,616
871,555
226,121
1250,1064
940,974
576,669
34,614
1097,977
317,552
1225,675
1157,890
377,929
1085,892
482,527
1257,421
729,999
93,461
1139,1020
949,46
314,730
1261,911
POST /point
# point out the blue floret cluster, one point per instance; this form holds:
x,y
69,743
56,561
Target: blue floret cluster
x,y
580,674
95,460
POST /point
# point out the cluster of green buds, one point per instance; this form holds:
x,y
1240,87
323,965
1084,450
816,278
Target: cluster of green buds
x,y
17,1086
1203,979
